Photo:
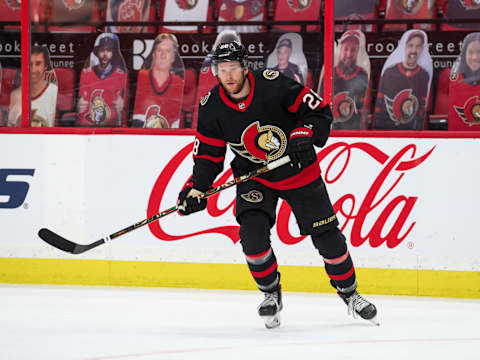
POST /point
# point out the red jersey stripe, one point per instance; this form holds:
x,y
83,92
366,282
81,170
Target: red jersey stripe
x,y
211,158
293,108
211,141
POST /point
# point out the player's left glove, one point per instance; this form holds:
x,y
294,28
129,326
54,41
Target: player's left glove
x,y
300,147
190,202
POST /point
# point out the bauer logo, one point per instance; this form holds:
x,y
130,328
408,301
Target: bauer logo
x,y
13,191
141,50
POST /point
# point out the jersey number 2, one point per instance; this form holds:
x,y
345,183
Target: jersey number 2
x,y
311,100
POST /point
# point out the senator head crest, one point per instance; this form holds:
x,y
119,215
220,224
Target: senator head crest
x,y
470,112
261,144
403,108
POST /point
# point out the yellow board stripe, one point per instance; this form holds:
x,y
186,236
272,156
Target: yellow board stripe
x,y
439,283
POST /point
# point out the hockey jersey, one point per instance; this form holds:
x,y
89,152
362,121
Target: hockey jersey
x,y
101,92
257,130
44,106
464,104
292,71
410,9
349,91
401,99
158,105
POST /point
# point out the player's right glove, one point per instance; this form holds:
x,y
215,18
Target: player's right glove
x,y
189,201
300,147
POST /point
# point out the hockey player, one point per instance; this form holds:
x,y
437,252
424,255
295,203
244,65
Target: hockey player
x,y
263,116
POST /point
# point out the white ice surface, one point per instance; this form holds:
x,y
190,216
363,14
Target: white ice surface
x,y
97,323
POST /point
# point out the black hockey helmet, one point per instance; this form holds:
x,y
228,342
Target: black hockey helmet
x,y
231,51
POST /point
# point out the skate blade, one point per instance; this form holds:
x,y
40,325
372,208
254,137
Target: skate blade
x,y
271,321
374,320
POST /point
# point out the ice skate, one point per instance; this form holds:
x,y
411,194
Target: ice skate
x,y
269,309
358,306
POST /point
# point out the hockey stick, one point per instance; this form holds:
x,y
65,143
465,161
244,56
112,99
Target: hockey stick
x,y
69,246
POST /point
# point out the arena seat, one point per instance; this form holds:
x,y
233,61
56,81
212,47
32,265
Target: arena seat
x,y
10,11
8,77
66,89
189,97
357,10
408,10
456,9
69,11
441,99
305,10
126,10
242,10
187,10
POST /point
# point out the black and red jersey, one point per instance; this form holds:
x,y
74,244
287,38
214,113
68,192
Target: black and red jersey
x,y
401,98
349,92
257,130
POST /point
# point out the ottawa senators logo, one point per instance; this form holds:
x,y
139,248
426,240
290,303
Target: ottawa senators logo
x,y
470,112
14,4
73,4
154,119
471,4
270,74
99,112
299,5
253,196
37,120
403,108
409,7
344,107
186,4
261,144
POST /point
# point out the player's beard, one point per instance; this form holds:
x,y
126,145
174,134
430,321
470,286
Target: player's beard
x,y
237,88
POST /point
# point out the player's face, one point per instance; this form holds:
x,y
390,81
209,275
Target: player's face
x,y
348,53
473,55
164,55
413,50
105,56
283,54
37,67
231,75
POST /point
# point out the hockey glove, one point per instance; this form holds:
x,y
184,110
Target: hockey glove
x,y
189,202
300,148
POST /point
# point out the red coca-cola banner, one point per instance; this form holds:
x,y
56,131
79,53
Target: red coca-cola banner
x,y
394,220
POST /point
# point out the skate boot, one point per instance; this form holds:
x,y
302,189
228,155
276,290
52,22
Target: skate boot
x,y
269,309
358,306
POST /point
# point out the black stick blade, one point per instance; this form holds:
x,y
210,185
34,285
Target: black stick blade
x,y
56,240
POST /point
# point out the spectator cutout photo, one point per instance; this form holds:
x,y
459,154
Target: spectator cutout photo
x,y
103,91
464,94
160,82
408,10
351,75
405,85
43,90
288,57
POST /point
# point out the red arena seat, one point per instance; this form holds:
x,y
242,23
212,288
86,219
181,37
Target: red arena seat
x,y
242,10
355,10
407,10
304,10
186,10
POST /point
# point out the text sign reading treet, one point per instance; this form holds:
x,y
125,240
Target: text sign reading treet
x,y
13,192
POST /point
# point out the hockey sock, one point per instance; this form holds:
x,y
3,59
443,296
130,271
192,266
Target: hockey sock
x,y
263,267
342,273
